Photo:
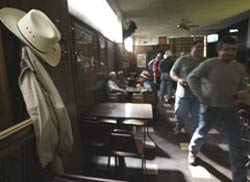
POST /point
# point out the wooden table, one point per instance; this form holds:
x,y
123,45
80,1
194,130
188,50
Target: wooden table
x,y
122,111
133,90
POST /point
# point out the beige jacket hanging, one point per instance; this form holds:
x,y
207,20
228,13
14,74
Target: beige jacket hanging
x,y
46,109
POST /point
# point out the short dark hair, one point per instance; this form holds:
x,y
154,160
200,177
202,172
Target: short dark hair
x,y
196,42
225,40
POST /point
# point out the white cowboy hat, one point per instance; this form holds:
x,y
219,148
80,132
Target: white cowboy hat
x,y
36,30
145,74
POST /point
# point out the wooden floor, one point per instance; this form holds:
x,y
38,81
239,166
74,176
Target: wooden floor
x,y
170,160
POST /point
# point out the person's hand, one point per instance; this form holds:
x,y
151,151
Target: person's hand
x,y
138,86
182,82
205,102
242,97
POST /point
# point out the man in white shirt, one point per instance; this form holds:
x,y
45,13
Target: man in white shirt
x,y
112,88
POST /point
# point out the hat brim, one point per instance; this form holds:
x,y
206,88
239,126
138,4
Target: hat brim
x,y
143,76
10,18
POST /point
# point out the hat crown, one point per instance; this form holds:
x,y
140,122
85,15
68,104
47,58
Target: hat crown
x,y
145,74
38,30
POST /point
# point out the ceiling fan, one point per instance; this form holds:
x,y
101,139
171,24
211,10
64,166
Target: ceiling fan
x,y
184,24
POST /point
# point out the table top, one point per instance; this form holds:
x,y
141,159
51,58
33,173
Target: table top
x,y
133,89
122,111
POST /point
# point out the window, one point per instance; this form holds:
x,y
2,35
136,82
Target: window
x,y
84,49
212,38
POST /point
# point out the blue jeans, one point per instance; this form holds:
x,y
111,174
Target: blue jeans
x,y
187,110
229,120
166,85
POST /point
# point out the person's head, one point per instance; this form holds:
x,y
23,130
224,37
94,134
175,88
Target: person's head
x,y
168,53
197,50
112,75
158,56
145,75
227,48
182,54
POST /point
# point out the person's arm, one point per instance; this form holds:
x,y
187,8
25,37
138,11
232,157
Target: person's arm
x,y
194,81
147,87
174,73
115,88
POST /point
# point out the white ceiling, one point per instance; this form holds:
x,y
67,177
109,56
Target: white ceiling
x,y
160,17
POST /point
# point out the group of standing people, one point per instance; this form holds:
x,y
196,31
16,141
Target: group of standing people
x,y
160,70
207,95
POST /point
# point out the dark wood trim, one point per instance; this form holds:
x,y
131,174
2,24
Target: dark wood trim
x,y
15,136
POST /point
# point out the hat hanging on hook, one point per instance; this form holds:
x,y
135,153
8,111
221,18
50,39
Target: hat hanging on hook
x,y
35,30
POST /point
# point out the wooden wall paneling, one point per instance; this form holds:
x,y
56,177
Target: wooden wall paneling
x,y
150,51
12,47
62,75
119,56
84,45
111,56
6,113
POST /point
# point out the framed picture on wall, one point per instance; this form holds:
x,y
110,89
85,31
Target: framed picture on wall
x,y
141,60
84,49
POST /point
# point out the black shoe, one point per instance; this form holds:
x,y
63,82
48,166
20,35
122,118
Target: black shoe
x,y
192,160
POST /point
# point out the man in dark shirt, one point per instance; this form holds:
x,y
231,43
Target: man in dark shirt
x,y
166,82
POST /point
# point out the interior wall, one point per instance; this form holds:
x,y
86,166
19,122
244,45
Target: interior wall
x,y
62,75
6,113
241,37
150,52
79,91
176,45
243,55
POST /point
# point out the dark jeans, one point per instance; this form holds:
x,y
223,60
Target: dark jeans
x,y
227,118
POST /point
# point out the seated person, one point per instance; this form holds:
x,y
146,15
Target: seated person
x,y
121,80
112,88
145,83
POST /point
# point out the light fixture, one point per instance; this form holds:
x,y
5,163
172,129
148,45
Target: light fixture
x,y
105,21
128,43
233,30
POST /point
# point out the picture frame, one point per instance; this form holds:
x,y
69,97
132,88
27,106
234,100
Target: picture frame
x,y
141,60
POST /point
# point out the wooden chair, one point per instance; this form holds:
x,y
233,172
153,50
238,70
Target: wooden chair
x,y
134,124
95,137
123,144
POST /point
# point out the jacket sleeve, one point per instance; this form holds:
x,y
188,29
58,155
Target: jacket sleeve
x,y
195,77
